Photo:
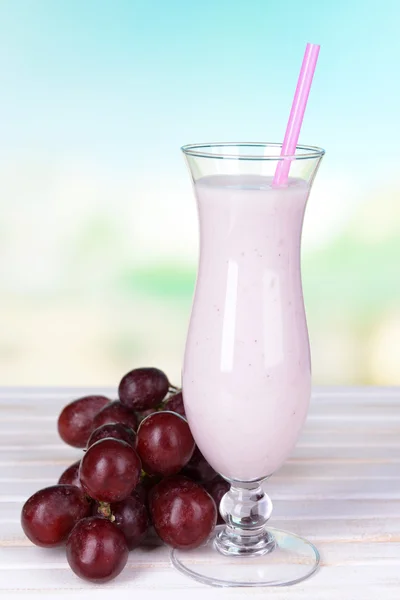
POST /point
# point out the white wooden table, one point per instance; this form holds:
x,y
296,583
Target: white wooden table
x,y
341,489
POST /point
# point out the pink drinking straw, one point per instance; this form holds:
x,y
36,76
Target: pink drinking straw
x,y
297,113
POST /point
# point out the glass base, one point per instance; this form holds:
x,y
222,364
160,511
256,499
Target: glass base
x,y
285,560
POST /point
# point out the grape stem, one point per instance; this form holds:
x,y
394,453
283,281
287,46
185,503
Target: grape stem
x,y
173,389
104,509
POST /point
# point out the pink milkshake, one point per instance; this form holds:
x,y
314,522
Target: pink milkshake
x,y
246,374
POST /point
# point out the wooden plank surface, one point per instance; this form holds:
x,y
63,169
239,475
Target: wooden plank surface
x,y
340,488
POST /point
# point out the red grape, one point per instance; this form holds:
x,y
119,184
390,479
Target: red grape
x,y
49,515
217,490
144,487
113,430
198,468
71,475
175,403
140,493
183,513
145,413
75,422
164,443
143,388
115,412
110,470
131,517
97,550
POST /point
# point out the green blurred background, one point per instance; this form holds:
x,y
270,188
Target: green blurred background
x,y
98,227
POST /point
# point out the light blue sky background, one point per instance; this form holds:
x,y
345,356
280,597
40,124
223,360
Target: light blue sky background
x,y
118,79
96,98
113,88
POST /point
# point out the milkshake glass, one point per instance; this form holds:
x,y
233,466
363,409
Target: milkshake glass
x,y
247,374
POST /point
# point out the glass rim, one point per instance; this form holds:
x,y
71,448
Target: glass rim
x,y
200,151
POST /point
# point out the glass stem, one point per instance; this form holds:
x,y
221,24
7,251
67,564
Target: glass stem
x,y
245,509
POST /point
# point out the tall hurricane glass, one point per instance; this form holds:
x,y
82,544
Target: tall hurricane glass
x,y
247,372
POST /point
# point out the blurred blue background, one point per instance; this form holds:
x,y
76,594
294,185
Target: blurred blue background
x,y
98,228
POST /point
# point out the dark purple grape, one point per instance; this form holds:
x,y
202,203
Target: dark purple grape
x,y
183,513
75,422
115,412
164,443
110,470
175,403
217,490
144,487
130,515
140,493
198,468
113,430
71,475
143,388
132,518
97,550
145,413
48,516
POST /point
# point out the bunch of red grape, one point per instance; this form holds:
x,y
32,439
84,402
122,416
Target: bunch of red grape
x,y
140,469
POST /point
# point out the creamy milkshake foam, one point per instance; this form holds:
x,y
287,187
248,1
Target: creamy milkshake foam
x,y
246,374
